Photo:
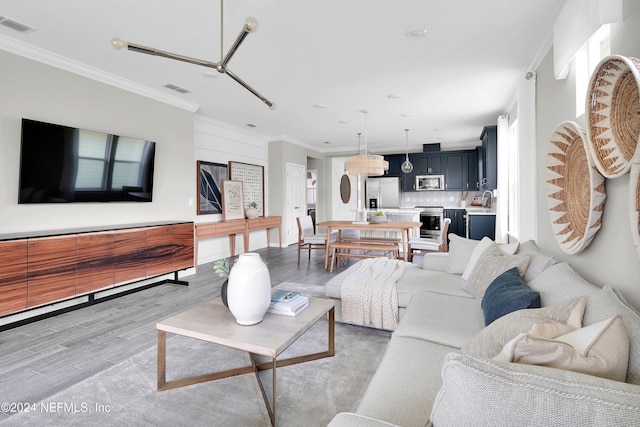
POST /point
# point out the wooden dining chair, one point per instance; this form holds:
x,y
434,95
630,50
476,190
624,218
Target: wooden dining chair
x,y
430,245
308,239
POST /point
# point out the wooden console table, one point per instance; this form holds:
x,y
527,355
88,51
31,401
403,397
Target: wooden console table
x,y
208,230
40,268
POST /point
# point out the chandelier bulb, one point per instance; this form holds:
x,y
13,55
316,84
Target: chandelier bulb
x,y
119,43
251,25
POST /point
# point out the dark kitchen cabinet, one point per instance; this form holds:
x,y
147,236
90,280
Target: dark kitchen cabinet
x,y
461,170
489,158
481,226
395,164
458,224
426,163
471,180
454,177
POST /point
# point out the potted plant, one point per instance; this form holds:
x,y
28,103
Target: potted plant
x,y
252,210
222,269
378,216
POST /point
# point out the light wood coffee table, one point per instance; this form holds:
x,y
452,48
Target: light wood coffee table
x,y
213,322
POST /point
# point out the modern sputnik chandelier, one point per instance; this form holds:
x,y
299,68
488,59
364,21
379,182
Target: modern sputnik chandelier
x,y
250,26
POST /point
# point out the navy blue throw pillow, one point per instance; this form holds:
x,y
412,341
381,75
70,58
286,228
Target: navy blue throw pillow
x,y
507,293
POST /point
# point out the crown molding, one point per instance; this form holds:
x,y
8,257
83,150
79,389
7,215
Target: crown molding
x,y
28,51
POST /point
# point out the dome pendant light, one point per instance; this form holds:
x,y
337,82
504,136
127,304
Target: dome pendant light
x,y
407,166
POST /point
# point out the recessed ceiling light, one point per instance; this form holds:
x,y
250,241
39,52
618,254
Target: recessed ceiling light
x,y
393,96
319,106
176,88
416,33
251,125
15,25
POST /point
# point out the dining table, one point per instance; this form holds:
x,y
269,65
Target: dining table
x,y
396,226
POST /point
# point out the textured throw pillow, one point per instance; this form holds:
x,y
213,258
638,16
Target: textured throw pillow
x,y
608,303
484,244
538,263
600,349
507,293
508,249
460,250
490,265
551,321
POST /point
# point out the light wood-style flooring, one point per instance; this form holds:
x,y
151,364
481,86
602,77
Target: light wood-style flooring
x,y
42,358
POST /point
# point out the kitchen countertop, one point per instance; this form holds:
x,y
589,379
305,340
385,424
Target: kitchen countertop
x,y
470,210
480,211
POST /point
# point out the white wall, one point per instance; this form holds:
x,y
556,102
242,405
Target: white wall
x,y
611,258
33,90
219,142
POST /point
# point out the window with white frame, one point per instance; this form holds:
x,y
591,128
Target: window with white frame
x,y
586,61
312,187
513,228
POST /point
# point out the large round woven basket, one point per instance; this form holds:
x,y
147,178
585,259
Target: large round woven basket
x,y
575,188
634,204
612,114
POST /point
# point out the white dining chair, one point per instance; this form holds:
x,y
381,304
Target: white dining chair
x,y
308,239
430,245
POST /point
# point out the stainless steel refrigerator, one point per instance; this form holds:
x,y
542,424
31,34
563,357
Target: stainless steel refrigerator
x,y
382,192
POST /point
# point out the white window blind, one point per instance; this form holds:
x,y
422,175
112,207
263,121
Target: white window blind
x,y
92,160
127,164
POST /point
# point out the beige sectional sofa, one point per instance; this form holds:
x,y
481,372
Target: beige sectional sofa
x,y
439,369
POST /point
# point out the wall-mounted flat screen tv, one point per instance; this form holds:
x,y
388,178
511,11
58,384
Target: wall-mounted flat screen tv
x,y
61,164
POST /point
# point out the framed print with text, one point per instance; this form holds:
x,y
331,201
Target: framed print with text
x,y
252,177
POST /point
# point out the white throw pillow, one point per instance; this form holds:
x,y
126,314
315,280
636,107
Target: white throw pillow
x,y
460,250
509,248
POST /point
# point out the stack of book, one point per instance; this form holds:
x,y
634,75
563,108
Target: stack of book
x,y
289,303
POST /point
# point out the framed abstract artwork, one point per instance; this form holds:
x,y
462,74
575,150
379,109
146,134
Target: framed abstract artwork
x,y
210,177
232,200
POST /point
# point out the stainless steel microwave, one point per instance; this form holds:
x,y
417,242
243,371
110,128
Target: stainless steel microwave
x,y
429,182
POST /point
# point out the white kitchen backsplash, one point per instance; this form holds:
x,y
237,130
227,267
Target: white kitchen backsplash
x,y
435,198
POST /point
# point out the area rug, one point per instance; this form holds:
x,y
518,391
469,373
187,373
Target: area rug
x,y
308,394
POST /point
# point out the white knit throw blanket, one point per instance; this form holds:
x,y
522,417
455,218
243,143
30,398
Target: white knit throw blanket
x,y
369,295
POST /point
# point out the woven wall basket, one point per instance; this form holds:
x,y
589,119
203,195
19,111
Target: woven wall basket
x,y
634,204
575,188
613,122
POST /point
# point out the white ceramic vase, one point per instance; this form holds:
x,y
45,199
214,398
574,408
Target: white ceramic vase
x,y
249,289
251,213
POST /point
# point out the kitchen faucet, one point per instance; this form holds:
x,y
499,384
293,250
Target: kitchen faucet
x,y
489,199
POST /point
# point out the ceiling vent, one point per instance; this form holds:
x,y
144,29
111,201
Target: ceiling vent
x,y
176,88
15,25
